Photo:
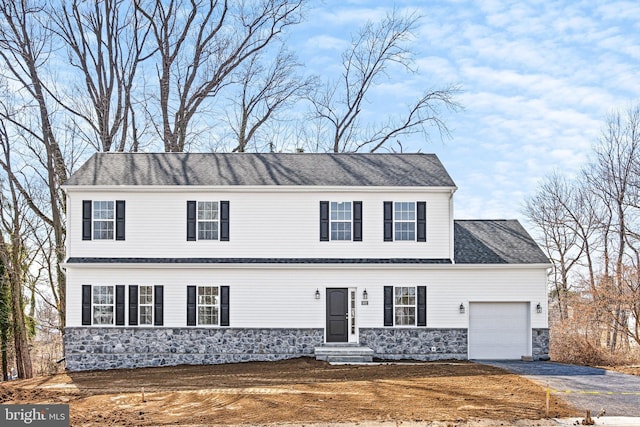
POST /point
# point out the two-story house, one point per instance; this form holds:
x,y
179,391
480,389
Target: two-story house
x,y
178,258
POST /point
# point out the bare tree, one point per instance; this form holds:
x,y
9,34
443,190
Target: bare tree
x,y
198,45
551,212
611,178
12,252
264,92
376,51
105,44
24,49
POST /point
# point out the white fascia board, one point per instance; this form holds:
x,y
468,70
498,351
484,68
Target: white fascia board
x,y
310,266
254,188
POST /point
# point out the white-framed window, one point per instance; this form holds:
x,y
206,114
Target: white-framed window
x,y
208,220
340,220
103,220
404,305
145,305
102,305
405,220
208,305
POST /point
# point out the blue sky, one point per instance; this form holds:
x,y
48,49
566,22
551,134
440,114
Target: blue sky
x,y
538,80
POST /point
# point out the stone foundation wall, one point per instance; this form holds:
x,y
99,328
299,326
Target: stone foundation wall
x,y
540,344
416,343
115,348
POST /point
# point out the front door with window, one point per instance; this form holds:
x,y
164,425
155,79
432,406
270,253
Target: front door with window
x,y
337,315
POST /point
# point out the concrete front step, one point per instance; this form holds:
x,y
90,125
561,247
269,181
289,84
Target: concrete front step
x,y
344,353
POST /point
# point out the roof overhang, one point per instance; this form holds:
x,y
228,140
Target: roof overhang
x,y
254,188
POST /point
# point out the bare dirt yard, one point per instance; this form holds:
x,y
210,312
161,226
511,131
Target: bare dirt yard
x,y
294,391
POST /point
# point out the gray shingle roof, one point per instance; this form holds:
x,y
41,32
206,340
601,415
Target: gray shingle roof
x,y
495,242
314,169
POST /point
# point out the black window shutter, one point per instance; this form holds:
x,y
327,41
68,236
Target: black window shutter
x,y
133,305
119,219
421,221
422,306
120,305
324,221
388,221
86,220
191,220
224,221
158,305
224,306
86,304
388,306
191,306
357,221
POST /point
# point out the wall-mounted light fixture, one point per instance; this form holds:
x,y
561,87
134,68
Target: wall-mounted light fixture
x,y
317,294
539,308
461,308
365,295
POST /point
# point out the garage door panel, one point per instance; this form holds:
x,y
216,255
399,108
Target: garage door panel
x,y
499,330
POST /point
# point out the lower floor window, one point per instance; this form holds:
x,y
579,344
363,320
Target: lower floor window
x,y
208,305
103,305
405,305
146,305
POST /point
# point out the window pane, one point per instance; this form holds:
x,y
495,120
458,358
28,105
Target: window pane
x,y
207,211
146,315
207,315
146,295
102,315
340,231
207,230
103,209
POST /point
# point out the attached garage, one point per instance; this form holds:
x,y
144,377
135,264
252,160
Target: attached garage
x,y
499,330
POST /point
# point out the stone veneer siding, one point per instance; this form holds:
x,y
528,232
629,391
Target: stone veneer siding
x,y
116,348
416,343
540,343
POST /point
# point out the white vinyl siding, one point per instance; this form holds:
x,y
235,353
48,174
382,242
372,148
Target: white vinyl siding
x,y
269,223
280,297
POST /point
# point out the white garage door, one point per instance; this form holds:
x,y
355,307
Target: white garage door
x,y
499,330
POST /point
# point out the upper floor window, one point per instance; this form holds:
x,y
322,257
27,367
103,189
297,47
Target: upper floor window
x,y
207,220
103,220
404,216
405,221
341,221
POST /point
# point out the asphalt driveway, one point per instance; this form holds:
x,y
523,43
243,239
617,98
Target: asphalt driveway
x,y
582,386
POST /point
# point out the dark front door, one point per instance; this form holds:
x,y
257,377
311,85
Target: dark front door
x,y
337,315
